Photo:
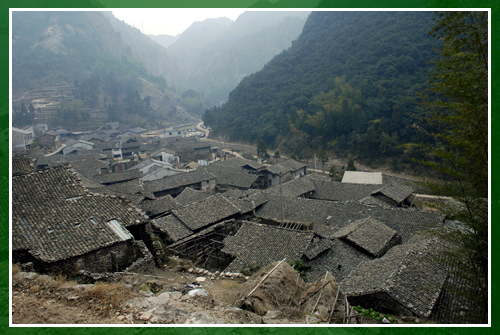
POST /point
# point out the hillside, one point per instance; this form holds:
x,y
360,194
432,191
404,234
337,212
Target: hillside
x,y
75,70
350,83
218,53
154,56
163,40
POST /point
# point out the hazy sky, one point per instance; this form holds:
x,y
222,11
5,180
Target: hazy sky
x,y
171,21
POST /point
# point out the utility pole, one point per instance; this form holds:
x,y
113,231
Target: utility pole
x,y
281,197
315,163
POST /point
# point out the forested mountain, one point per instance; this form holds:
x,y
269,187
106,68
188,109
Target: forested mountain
x,y
73,69
349,83
153,55
218,53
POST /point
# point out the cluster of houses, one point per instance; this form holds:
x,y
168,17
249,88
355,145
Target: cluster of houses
x,y
99,206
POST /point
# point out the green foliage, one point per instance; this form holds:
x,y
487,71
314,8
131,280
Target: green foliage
x,y
350,165
194,102
348,83
301,268
249,270
88,54
151,287
374,315
262,150
457,125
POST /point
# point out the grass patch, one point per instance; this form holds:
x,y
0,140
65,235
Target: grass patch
x,y
374,314
229,284
112,294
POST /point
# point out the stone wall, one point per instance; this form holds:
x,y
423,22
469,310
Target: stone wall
x,y
109,259
144,263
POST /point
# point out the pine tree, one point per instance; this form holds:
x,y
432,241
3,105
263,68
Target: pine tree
x,y
457,122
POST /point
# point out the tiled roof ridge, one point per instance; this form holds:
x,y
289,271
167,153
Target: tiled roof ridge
x,y
71,170
411,248
278,227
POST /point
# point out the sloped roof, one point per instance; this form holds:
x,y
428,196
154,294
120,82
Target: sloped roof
x,y
89,166
246,200
55,218
407,273
240,163
178,180
287,166
117,177
258,244
293,188
22,131
317,246
137,130
172,226
329,216
22,164
111,144
370,235
189,195
234,176
339,259
331,190
211,210
159,205
51,161
398,193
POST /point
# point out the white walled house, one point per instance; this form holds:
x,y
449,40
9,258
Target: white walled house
x,y
21,139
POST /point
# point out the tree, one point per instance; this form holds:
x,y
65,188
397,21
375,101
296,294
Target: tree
x,y
323,158
262,150
350,165
457,122
277,154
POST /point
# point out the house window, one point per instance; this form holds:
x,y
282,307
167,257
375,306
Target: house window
x,y
170,133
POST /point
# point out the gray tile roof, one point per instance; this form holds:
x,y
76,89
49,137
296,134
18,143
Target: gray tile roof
x,y
117,177
137,130
247,200
317,246
329,216
189,195
339,259
238,162
258,244
55,218
171,226
407,273
287,166
293,188
233,176
370,235
398,193
89,167
211,210
159,205
50,161
108,145
22,164
178,180
331,190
